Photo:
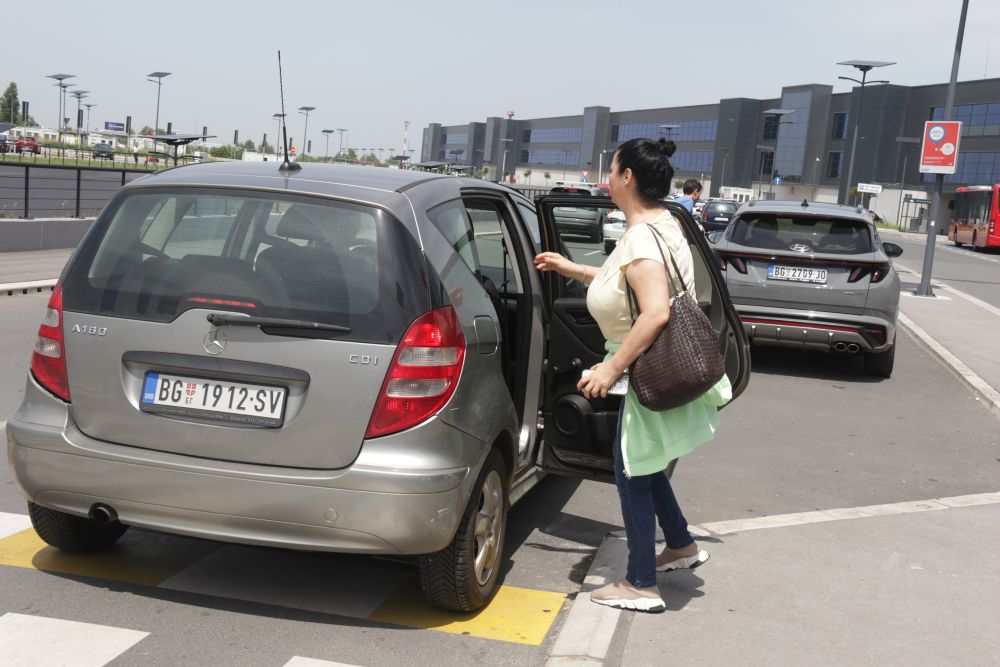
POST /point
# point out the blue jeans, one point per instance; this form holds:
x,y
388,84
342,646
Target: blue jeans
x,y
646,499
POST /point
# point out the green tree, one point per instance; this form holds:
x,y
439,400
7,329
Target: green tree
x,y
221,151
249,145
546,176
10,106
527,175
266,148
485,172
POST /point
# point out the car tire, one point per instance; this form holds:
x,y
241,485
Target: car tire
x,y
463,576
880,364
76,534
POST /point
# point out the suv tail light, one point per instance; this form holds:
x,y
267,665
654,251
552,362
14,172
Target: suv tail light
x,y
423,373
48,360
738,262
704,214
877,273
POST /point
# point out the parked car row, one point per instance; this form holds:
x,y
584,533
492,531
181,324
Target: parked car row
x,y
20,145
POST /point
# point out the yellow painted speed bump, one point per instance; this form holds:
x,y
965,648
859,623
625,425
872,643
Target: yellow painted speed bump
x,y
519,615
141,558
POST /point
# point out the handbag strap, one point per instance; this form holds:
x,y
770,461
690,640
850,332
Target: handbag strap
x,y
633,302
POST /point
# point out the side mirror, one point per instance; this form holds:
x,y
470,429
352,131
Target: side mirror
x,y
892,250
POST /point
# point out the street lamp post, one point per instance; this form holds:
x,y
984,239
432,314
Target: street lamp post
x,y
158,76
722,177
79,95
600,164
864,66
777,114
88,115
61,82
305,131
503,163
340,131
763,149
278,142
326,155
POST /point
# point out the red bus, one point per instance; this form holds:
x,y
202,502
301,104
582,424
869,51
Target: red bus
x,y
975,219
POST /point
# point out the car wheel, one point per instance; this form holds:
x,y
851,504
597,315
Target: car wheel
x,y
463,576
880,364
69,532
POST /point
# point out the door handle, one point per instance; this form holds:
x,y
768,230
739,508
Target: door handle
x,y
574,365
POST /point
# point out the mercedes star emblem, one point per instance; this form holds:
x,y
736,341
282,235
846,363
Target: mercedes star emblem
x,y
215,341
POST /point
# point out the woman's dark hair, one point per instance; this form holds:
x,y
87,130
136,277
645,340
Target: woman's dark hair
x,y
649,164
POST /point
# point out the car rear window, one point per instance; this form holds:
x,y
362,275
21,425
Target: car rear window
x,y
839,236
156,253
721,207
570,191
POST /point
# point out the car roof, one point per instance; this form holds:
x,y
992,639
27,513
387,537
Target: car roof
x,y
372,184
811,208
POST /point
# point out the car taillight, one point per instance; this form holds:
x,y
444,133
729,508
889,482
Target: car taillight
x,y
48,360
423,374
704,215
877,273
738,263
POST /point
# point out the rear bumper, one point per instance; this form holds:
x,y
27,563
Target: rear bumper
x,y
817,330
366,508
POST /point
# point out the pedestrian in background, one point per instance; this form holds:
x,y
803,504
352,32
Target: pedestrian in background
x,y
692,193
646,441
135,153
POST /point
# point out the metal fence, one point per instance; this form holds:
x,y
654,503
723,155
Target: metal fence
x,y
36,189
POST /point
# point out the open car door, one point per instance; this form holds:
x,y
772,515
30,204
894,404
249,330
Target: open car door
x,y
579,433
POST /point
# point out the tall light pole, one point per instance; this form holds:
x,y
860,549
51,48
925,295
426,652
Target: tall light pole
x,y
925,275
863,66
503,160
79,95
305,131
777,114
157,78
88,115
600,163
61,82
326,155
279,142
763,148
340,131
722,178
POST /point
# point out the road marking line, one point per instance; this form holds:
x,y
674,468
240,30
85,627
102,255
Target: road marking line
x,y
37,640
978,384
11,524
517,615
842,514
138,558
299,661
592,252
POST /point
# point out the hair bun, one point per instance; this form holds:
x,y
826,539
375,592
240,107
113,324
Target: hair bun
x,y
666,146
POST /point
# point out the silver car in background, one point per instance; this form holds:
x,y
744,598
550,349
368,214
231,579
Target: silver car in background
x,y
813,275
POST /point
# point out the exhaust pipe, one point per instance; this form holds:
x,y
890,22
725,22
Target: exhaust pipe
x,y
102,514
853,348
840,346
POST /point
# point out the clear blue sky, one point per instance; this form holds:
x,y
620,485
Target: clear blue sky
x,y
368,66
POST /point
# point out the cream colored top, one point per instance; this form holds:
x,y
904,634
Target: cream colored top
x,y
606,297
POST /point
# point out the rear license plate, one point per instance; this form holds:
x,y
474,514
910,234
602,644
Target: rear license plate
x,y
796,274
721,220
234,402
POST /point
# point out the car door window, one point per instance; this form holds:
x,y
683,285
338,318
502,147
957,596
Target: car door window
x,y
492,244
452,220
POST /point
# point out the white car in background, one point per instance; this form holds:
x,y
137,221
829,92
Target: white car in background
x,y
614,227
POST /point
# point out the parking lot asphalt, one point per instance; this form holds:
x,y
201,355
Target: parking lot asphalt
x,y
908,582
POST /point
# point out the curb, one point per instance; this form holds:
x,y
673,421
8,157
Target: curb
x,y
978,385
9,289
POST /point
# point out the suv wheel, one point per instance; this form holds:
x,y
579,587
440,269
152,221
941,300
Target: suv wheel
x,y
463,576
880,364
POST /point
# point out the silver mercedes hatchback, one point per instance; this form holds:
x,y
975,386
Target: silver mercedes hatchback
x,y
338,359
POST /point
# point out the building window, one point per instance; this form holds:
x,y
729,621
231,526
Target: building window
x,y
766,163
455,138
553,135
973,168
770,128
686,130
693,161
977,119
833,164
551,157
839,125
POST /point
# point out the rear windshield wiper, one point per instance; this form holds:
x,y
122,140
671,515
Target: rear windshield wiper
x,y
273,322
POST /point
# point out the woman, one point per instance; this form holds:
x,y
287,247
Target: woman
x,y
646,441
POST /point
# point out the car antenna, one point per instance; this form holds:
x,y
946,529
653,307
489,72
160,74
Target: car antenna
x,y
287,165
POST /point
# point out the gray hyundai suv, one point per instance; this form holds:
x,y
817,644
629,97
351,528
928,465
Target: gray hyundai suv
x,y
338,359
813,275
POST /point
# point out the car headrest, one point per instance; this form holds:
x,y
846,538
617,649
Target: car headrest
x,y
296,224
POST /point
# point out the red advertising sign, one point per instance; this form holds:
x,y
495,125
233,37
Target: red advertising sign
x,y
939,153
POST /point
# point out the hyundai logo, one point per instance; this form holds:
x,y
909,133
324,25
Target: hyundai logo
x,y
799,247
215,341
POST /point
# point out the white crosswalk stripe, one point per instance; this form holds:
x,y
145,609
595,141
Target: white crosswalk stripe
x,y
299,661
36,640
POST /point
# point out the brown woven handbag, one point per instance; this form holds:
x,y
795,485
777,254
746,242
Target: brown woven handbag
x,y
684,360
